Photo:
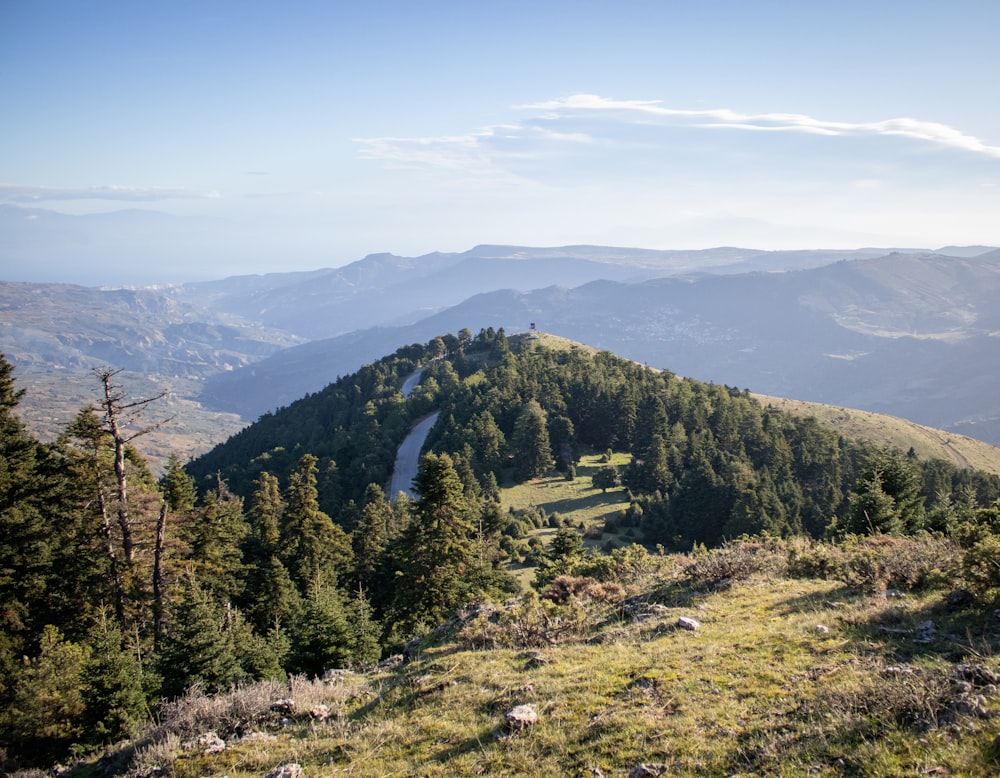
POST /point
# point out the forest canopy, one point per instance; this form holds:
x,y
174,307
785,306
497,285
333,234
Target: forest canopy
x,y
279,552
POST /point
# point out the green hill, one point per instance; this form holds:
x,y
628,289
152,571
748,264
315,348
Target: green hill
x,y
570,504
784,675
880,429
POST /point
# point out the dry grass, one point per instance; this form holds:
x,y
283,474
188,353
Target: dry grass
x,y
880,429
783,677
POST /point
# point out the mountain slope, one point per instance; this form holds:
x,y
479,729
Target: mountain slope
x,y
909,335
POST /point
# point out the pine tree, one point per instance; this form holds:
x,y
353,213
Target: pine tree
x,y
195,649
371,536
46,713
215,535
321,639
178,487
366,648
435,553
315,549
530,442
115,703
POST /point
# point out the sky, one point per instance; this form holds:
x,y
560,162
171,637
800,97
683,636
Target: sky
x,y
164,141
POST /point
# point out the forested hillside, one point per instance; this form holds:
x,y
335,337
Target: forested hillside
x,y
279,552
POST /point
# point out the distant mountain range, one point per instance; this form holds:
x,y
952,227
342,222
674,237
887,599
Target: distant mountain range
x,y
910,333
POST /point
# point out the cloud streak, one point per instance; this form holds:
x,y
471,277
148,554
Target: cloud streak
x,y
135,194
493,151
722,118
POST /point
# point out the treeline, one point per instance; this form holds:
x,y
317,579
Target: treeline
x,y
278,552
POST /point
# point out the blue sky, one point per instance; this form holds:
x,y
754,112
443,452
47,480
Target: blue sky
x,y
308,134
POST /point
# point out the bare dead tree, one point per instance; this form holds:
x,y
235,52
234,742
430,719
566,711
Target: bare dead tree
x,y
158,583
120,415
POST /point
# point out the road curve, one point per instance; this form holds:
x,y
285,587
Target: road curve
x,y
408,457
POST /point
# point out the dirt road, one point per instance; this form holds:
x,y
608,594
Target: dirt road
x,y
408,457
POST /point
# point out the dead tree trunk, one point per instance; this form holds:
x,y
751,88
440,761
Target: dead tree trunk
x,y
161,531
118,415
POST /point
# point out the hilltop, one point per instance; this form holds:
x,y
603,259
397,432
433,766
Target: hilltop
x,y
568,502
734,662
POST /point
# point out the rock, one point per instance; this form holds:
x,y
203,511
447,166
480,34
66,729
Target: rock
x,y
821,629
321,712
535,658
521,717
286,706
208,742
977,675
650,770
258,737
336,675
411,649
926,631
686,622
959,598
389,663
290,770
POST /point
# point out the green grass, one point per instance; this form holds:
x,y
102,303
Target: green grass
x,y
756,690
554,494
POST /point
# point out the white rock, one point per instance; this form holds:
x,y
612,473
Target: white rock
x,y
686,622
522,716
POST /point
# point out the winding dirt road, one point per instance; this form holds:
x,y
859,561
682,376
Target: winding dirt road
x,y
408,457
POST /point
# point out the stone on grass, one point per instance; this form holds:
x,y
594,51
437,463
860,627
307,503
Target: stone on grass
x,y
286,706
209,743
686,622
521,717
649,770
290,770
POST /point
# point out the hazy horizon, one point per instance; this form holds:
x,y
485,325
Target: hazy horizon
x,y
251,138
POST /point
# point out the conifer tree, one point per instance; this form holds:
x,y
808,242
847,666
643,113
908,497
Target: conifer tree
x,y
435,553
315,549
178,487
216,534
46,713
371,536
195,648
530,442
366,647
321,639
114,701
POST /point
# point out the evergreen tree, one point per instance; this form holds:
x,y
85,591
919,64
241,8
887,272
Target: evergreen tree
x,y
314,548
114,701
321,639
195,649
371,536
530,442
366,647
215,536
45,715
258,657
178,487
435,553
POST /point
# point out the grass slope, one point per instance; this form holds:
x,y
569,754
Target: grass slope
x,y
783,677
880,429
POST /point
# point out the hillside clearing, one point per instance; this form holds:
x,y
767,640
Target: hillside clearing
x,y
782,677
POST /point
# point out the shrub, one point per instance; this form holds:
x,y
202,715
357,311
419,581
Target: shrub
x,y
736,561
981,564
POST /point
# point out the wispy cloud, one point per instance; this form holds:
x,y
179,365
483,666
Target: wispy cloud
x,y
559,128
144,194
722,118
